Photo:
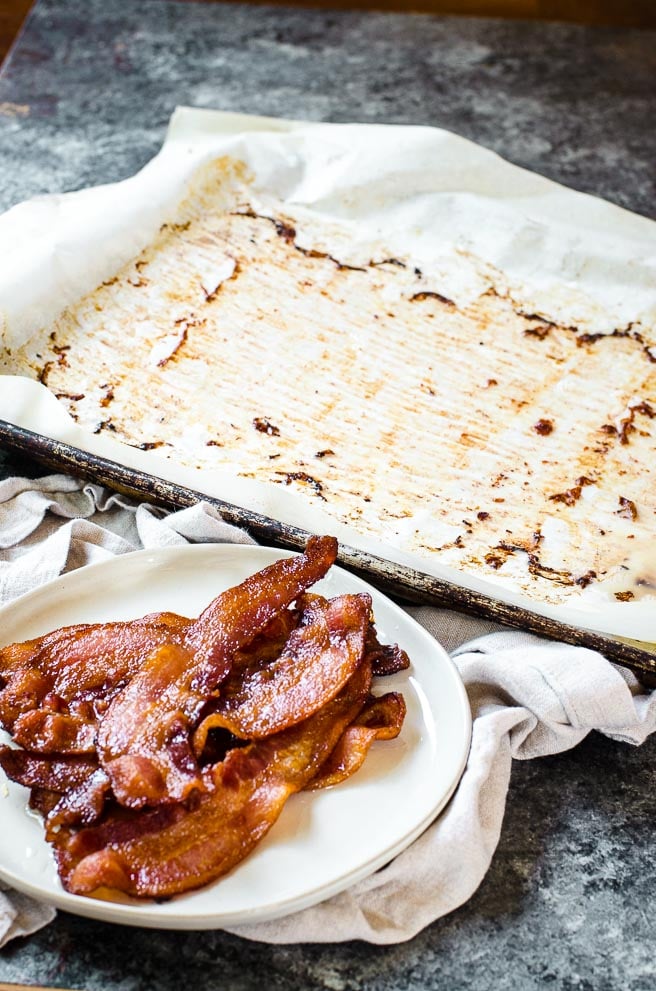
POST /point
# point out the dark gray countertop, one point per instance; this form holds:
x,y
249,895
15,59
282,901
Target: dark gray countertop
x,y
87,92
569,901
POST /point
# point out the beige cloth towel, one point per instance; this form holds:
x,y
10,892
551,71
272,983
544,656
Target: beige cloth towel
x,y
528,697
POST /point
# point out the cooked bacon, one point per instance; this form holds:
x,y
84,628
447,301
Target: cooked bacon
x,y
65,789
85,663
77,671
43,801
268,645
174,848
234,618
54,732
381,719
319,657
143,741
24,689
82,804
160,751
34,771
385,659
81,657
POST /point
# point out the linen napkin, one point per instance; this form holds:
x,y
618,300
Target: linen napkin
x,y
529,698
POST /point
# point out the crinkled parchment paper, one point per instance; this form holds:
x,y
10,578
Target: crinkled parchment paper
x,y
387,333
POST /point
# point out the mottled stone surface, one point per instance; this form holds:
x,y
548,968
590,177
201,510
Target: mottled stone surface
x,y
569,901
93,85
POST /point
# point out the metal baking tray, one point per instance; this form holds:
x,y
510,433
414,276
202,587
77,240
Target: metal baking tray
x,y
401,583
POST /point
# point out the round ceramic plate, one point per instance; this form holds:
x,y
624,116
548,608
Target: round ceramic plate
x,y
323,841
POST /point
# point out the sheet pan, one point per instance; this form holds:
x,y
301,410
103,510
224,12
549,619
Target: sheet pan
x,y
560,256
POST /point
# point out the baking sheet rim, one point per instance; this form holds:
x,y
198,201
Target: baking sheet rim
x,y
399,580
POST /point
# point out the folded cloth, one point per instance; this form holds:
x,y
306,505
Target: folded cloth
x,y
529,698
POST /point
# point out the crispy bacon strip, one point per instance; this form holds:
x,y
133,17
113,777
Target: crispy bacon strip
x,y
76,657
143,741
319,657
385,659
77,664
77,670
84,801
82,804
381,719
23,690
34,771
234,618
55,733
43,801
66,790
173,848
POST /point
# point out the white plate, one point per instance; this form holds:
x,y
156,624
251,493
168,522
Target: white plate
x,y
324,841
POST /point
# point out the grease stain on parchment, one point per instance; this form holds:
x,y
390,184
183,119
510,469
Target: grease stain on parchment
x,y
484,433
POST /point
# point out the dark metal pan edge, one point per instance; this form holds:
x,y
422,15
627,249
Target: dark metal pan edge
x,y
400,582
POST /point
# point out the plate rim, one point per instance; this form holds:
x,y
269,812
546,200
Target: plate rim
x,y
145,914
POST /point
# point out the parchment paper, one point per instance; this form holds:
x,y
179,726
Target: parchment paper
x,y
451,205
